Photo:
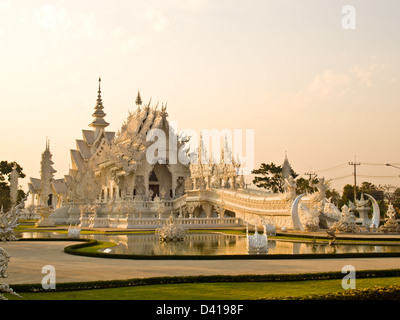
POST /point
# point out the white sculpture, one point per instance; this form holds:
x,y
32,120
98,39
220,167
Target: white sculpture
x,y
74,232
172,231
83,187
363,209
270,228
289,186
347,222
310,217
14,187
322,187
8,222
257,243
376,214
46,175
295,213
391,224
331,211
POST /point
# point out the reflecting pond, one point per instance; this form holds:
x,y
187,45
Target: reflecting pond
x,y
214,244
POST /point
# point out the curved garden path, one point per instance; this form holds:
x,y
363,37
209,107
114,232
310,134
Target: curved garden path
x,y
28,258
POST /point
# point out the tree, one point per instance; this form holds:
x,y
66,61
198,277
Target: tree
x,y
366,187
335,197
6,169
271,177
303,185
348,193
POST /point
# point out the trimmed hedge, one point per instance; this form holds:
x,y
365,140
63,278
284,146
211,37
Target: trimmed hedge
x,y
74,286
74,249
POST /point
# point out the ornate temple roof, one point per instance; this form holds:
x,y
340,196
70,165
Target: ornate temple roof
x,y
122,151
87,147
58,186
286,168
98,121
128,148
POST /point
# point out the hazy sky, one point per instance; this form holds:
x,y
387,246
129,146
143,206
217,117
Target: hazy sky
x,y
287,69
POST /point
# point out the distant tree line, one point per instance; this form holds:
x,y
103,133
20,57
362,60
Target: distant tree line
x,y
269,176
5,170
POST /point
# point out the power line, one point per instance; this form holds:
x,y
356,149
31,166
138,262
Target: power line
x,y
338,178
373,164
335,167
369,176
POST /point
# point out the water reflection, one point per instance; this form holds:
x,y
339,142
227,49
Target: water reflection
x,y
213,244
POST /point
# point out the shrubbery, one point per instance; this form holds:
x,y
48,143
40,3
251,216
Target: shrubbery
x,y
391,292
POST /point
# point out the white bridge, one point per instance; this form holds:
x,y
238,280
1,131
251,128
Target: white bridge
x,y
206,208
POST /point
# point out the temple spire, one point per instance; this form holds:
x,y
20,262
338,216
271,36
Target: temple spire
x,y
286,168
138,99
99,123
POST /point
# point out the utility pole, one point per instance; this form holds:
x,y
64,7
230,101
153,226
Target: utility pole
x,y
355,164
310,175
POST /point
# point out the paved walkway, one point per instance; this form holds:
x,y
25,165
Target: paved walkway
x,y
28,258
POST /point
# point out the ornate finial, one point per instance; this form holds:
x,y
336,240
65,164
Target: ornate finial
x,y
99,114
138,99
99,92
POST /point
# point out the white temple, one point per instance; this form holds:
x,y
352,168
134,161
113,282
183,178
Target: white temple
x,y
111,182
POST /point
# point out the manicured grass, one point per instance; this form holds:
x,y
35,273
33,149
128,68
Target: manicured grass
x,y
211,291
98,246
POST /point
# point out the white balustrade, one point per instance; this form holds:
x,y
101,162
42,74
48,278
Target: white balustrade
x,y
150,223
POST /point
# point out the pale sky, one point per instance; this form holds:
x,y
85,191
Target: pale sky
x,y
287,69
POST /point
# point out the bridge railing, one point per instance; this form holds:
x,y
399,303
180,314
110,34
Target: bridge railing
x,y
152,223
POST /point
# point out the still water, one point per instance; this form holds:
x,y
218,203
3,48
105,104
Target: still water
x,y
213,244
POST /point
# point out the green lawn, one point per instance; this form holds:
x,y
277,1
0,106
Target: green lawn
x,y
210,291
205,291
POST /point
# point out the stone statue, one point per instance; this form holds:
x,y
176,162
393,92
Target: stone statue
x,y
391,224
257,242
8,222
290,188
347,222
172,231
310,217
322,187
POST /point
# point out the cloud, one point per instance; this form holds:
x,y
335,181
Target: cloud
x,y
363,74
327,83
89,22
132,44
323,87
157,19
331,84
5,4
52,19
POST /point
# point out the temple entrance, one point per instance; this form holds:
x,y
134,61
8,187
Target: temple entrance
x,y
160,182
229,214
50,200
155,188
